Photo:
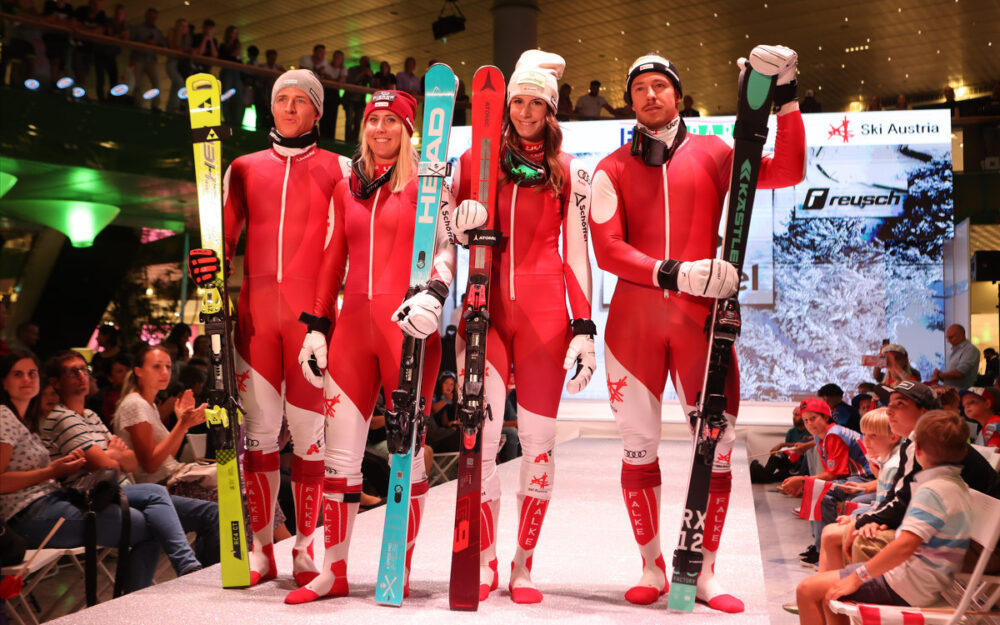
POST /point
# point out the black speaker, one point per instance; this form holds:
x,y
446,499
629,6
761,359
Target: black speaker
x,y
986,266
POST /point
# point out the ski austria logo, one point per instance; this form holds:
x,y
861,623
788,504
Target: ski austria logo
x,y
841,130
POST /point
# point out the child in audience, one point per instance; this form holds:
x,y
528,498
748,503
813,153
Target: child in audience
x,y
982,405
931,542
882,447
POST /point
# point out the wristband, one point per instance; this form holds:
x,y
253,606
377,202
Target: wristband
x,y
316,324
583,326
783,94
666,277
863,574
438,289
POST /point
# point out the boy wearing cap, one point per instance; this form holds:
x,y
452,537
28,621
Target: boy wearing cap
x,y
282,194
982,405
907,402
655,215
933,536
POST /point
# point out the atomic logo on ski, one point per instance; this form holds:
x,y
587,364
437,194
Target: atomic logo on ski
x,y
615,390
841,130
329,409
488,85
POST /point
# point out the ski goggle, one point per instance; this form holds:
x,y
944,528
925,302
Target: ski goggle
x,y
361,186
523,171
651,150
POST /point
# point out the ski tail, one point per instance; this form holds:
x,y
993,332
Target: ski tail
x,y
224,415
487,113
749,135
405,422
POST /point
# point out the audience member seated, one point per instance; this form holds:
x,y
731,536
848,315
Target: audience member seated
x,y
982,405
100,363
961,364
933,536
863,402
842,412
840,455
992,370
138,423
70,427
882,445
443,427
871,531
108,397
31,498
787,458
896,367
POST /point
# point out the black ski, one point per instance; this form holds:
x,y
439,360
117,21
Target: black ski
x,y
749,135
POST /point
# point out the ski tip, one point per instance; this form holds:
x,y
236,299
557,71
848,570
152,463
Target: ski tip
x,y
681,597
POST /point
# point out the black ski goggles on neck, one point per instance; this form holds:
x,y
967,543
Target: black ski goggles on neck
x,y
361,186
651,150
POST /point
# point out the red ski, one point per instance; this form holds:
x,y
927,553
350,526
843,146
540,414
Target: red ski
x,y
487,113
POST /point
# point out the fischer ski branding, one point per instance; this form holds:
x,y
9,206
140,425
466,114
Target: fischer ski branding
x,y
224,415
749,135
487,114
405,422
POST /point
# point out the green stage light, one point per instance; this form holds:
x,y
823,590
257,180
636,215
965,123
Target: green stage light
x,y
80,221
7,182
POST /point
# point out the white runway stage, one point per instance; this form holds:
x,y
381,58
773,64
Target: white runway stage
x,y
585,560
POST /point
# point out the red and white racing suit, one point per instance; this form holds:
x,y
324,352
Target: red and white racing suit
x,y
282,195
529,333
640,216
376,235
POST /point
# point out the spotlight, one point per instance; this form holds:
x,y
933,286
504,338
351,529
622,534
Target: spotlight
x,y
449,24
119,90
31,84
182,93
79,92
64,83
150,94
228,94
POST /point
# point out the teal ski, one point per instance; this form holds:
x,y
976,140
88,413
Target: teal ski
x,y
405,422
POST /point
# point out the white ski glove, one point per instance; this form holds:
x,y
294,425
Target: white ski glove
x,y
773,61
709,277
419,315
469,215
313,354
581,354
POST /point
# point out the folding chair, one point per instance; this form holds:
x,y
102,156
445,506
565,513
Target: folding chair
x,y
991,454
38,571
443,463
981,592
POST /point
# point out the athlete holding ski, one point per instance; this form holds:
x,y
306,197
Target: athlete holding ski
x,y
655,217
282,194
544,193
374,212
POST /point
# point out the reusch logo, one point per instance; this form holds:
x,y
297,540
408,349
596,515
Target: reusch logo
x,y
819,198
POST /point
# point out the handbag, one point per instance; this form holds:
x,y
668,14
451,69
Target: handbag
x,y
92,493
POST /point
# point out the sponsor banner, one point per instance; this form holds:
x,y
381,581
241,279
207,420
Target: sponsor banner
x,y
878,128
